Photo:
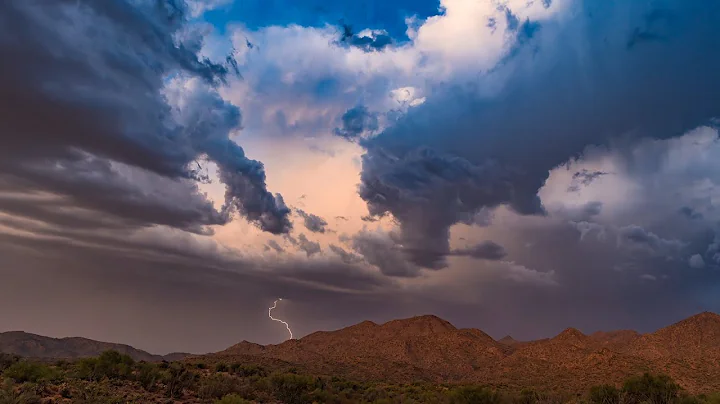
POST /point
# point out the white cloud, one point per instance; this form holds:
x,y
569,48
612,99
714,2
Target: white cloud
x,y
696,261
199,7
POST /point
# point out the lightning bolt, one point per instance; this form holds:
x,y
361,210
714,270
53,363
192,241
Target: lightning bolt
x,y
277,319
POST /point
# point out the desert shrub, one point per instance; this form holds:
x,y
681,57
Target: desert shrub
x,y
201,365
649,388
529,397
216,386
604,394
685,399
93,393
474,395
9,394
7,360
248,370
25,371
177,378
232,399
110,364
221,367
147,375
292,389
710,398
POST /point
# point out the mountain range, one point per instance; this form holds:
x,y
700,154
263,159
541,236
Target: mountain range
x,y
37,346
428,348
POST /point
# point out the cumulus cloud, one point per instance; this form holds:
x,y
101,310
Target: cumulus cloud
x,y
356,121
580,89
382,251
427,193
308,246
198,7
696,261
584,178
314,223
367,40
275,246
521,273
345,256
487,250
634,236
82,102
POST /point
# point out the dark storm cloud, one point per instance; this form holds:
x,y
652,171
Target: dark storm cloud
x,y
487,250
86,83
345,256
93,184
634,236
427,192
584,178
275,246
308,246
383,251
583,87
357,121
314,223
690,213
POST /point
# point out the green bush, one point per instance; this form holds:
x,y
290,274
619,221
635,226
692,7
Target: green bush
x,y
474,395
94,393
248,370
147,375
529,397
9,394
604,394
7,360
110,364
232,399
177,378
221,367
216,386
24,371
651,389
292,389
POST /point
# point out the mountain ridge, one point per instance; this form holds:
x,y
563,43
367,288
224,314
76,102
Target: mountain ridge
x,y
428,348
431,349
31,345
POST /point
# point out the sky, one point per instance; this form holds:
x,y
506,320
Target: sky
x,y
169,168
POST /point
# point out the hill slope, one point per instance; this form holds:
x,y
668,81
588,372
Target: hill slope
x,y
37,346
429,348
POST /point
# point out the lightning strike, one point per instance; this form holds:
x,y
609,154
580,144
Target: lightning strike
x,y
277,319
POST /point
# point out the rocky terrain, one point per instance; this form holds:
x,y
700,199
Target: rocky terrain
x,y
431,349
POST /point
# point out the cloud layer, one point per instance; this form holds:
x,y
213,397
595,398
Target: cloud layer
x,y
89,87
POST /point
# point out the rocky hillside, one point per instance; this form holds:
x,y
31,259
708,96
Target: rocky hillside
x,y
37,346
429,348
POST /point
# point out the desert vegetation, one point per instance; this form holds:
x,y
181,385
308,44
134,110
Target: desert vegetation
x,y
116,378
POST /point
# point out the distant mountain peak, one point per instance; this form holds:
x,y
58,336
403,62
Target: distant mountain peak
x,y
508,340
570,334
420,325
38,346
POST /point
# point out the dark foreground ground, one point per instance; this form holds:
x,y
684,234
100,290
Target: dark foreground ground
x,y
117,378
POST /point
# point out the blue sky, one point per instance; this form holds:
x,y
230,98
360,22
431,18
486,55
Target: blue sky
x,y
373,14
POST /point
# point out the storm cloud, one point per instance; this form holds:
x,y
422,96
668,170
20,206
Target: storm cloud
x,y
89,87
573,84
314,223
486,250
